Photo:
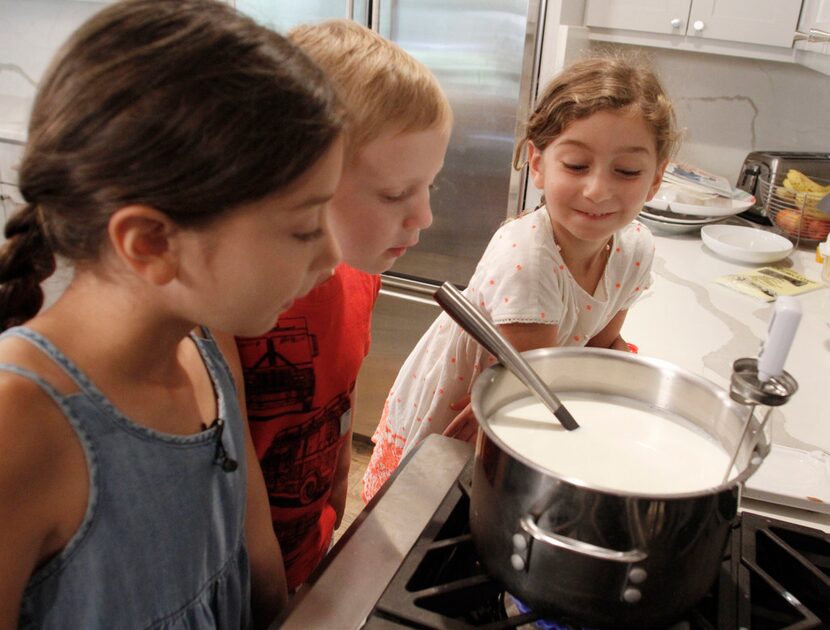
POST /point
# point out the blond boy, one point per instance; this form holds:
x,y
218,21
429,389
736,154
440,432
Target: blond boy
x,y
299,378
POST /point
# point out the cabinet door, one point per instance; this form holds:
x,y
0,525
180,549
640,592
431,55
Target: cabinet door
x,y
652,16
767,22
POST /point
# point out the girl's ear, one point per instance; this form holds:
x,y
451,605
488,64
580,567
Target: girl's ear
x,y
144,239
658,179
535,165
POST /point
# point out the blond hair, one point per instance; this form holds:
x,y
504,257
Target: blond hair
x,y
601,83
381,85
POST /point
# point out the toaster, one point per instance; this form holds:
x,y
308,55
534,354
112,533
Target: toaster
x,y
770,167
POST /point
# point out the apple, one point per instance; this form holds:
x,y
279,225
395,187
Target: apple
x,y
789,221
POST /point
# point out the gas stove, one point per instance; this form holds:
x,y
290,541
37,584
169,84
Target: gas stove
x,y
409,562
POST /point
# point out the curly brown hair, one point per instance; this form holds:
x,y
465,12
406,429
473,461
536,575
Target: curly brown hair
x,y
601,83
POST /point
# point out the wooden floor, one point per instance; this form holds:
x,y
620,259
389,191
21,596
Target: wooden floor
x,y
361,452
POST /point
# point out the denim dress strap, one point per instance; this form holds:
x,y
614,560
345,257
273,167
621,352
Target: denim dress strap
x,y
162,543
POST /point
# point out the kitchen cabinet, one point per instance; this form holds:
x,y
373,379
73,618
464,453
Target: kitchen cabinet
x,y
761,29
813,45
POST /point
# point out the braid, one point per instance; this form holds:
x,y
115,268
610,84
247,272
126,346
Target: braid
x,y
25,261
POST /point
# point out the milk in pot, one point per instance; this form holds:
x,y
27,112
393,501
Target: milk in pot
x,y
617,447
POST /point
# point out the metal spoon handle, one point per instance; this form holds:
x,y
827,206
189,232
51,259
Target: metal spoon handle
x,y
472,320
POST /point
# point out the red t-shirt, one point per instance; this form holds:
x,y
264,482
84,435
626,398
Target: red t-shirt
x,y
299,386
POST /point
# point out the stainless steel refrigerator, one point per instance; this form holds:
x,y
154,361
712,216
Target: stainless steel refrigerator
x,y
485,53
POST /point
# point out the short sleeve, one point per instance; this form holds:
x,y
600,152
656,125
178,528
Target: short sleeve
x,y
516,280
639,240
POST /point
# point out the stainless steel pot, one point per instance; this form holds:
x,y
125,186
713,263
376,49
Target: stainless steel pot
x,y
601,557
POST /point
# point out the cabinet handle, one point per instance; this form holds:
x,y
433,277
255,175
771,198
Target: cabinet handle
x,y
698,26
813,35
676,22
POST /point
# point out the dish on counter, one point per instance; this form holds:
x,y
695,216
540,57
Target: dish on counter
x,y
746,244
656,225
681,200
667,216
793,477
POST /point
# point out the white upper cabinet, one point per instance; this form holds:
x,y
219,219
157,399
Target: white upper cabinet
x,y
762,29
767,22
651,16
813,45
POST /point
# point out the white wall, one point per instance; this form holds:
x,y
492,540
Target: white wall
x,y
731,106
30,33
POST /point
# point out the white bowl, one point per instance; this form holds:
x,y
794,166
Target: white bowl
x,y
745,244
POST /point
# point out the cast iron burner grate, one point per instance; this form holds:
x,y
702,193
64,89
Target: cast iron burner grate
x,y
774,575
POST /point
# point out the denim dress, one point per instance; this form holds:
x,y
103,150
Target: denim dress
x,y
162,542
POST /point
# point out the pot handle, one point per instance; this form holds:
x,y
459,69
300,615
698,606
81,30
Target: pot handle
x,y
528,524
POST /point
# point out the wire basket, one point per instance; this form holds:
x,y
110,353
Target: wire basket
x,y
792,208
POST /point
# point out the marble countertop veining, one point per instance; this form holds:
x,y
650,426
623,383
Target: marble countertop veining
x,y
688,319
693,322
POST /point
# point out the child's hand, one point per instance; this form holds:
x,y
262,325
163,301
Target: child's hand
x,y
464,426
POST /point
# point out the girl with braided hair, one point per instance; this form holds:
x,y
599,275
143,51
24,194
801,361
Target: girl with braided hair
x,y
181,158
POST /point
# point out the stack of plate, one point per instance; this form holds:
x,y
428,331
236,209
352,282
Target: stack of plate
x,y
675,210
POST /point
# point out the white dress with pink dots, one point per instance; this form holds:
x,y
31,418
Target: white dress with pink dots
x,y
521,278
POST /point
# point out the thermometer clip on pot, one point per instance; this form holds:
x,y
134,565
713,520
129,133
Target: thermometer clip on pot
x,y
764,381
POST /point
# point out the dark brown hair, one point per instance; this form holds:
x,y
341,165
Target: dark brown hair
x,y
607,82
182,105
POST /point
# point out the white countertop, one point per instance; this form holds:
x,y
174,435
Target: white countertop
x,y
689,320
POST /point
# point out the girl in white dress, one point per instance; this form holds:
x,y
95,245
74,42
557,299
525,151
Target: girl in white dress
x,y
563,274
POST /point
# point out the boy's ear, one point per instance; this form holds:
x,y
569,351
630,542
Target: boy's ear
x,y
658,179
144,239
535,165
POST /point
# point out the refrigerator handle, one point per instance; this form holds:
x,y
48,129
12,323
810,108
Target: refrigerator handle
x,y
382,28
350,9
406,289
528,85
374,20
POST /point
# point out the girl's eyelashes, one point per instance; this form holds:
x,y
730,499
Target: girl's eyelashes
x,y
581,168
307,237
404,194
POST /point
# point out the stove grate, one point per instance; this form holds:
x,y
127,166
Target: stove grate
x,y
774,575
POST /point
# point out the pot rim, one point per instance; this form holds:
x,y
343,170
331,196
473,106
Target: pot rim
x,y
498,371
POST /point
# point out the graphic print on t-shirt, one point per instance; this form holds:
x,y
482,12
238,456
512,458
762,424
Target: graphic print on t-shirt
x,y
299,383
300,463
279,369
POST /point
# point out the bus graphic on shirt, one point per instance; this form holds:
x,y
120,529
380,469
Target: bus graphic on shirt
x,y
299,465
279,369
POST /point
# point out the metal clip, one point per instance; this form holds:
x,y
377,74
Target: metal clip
x,y
811,36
